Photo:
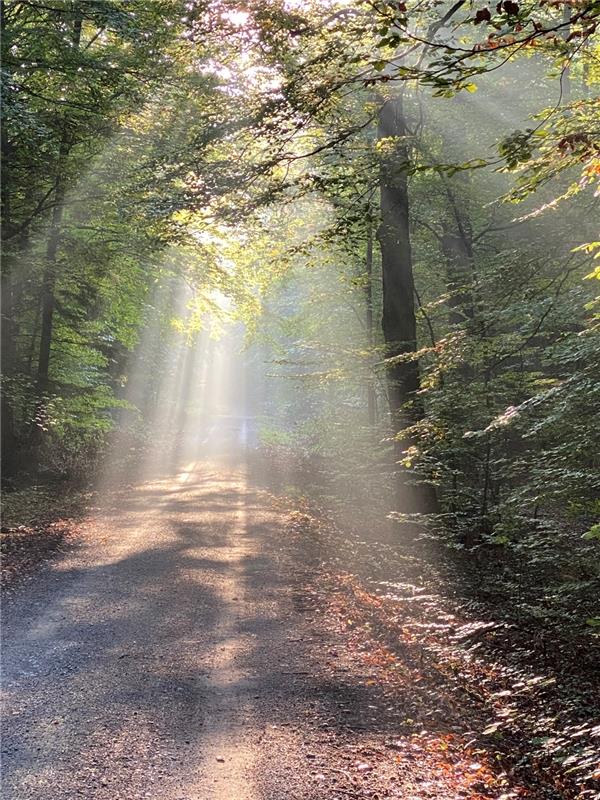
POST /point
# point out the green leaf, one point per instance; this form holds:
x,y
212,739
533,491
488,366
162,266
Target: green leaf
x,y
593,533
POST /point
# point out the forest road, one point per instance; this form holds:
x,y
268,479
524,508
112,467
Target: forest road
x,y
160,658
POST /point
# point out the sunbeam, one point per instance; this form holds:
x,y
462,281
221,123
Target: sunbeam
x,y
300,391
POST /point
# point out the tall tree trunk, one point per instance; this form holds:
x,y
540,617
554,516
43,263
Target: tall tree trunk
x,y
48,287
398,320
7,328
8,324
398,317
33,345
9,438
456,243
371,394
49,276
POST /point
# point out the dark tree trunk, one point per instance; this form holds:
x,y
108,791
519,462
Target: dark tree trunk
x,y
371,393
456,243
49,276
48,286
33,343
459,270
9,438
398,318
8,326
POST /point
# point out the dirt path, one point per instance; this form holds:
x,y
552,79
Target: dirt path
x,y
193,646
154,660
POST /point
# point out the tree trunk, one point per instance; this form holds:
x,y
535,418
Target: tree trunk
x,y
8,325
371,394
398,318
48,285
456,244
9,438
49,276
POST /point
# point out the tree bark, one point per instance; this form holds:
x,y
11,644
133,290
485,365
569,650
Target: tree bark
x,y
9,438
48,286
7,327
371,394
49,276
456,243
398,314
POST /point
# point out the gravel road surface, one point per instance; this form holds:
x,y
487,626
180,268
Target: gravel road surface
x,y
161,658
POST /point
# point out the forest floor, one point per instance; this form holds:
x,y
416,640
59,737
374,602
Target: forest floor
x,y
37,524
198,639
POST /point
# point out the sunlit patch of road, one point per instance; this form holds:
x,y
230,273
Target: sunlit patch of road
x,y
131,667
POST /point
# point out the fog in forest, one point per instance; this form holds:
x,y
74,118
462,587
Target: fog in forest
x,y
300,392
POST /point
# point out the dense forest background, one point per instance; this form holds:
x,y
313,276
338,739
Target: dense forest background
x,y
380,219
